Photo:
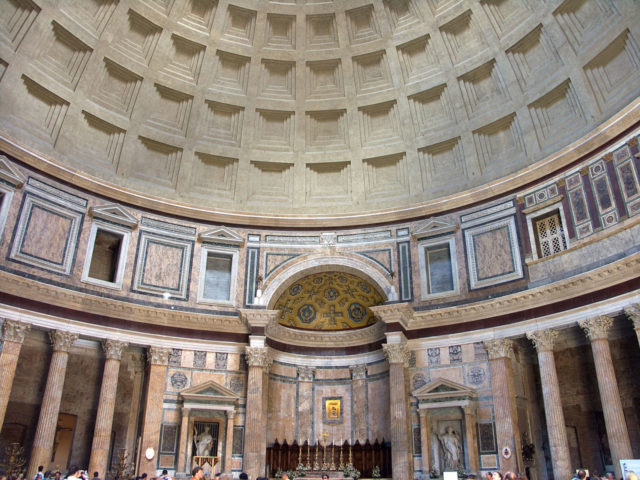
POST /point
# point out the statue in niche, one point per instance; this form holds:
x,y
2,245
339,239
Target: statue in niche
x,y
451,448
203,441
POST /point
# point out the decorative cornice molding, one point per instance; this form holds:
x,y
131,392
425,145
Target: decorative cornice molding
x,y
633,312
358,372
396,353
543,340
499,348
62,340
597,328
258,317
14,331
305,374
394,313
136,313
597,279
258,356
113,348
158,355
312,338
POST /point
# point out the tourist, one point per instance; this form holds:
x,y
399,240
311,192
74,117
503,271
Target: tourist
x,y
243,476
165,475
197,473
284,476
496,475
75,473
509,476
39,475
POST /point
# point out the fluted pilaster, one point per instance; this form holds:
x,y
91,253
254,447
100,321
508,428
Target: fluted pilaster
x,y
106,406
504,401
48,419
13,334
425,440
397,356
359,413
544,341
254,456
158,358
597,329
228,445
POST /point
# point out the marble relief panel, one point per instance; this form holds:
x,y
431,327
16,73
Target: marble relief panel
x,y
178,379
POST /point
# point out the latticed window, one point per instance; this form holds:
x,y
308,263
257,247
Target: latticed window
x,y
549,234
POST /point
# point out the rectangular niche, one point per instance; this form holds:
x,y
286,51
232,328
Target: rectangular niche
x,y
185,60
500,144
438,161
324,79
139,39
106,255
170,110
432,110
222,124
402,14
379,123
199,15
328,182
214,175
118,88
218,272
280,31
274,130
417,59
278,79
371,72
463,38
326,130
386,177
322,32
271,182
240,24
163,265
482,88
362,26
231,73
156,163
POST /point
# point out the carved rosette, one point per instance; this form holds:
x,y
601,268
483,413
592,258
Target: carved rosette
x,y
543,340
13,331
396,353
113,348
597,328
305,374
257,356
499,348
62,340
633,312
158,355
358,372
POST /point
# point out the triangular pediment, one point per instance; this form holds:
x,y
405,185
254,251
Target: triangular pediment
x,y
209,392
434,227
441,388
9,174
115,214
222,235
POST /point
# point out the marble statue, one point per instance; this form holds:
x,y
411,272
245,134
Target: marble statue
x,y
204,442
451,448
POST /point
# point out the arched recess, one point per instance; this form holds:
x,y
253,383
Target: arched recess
x,y
309,264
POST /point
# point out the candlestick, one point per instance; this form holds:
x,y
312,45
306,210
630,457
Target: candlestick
x,y
341,468
308,466
316,465
332,467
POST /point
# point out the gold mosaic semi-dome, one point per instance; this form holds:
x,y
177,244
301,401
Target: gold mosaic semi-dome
x,y
259,112
328,301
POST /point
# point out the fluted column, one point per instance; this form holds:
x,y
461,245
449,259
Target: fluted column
x,y
472,437
48,420
305,402
544,340
397,355
359,413
633,312
254,456
184,434
504,401
13,334
228,445
158,359
106,406
597,329
425,439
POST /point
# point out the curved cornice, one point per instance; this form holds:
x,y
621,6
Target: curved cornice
x,y
589,144
312,338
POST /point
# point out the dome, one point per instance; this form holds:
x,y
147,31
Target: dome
x,y
276,112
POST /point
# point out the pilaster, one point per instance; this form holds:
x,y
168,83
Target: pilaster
x,y
13,333
254,455
425,440
228,445
305,402
359,388
633,313
184,443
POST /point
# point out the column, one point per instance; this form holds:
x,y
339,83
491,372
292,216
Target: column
x,y
158,359
228,446
400,455
597,329
13,334
48,420
136,373
305,402
472,438
504,402
184,436
633,312
425,440
359,413
543,340
254,454
106,406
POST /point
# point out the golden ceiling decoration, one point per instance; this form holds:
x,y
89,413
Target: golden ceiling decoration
x,y
328,301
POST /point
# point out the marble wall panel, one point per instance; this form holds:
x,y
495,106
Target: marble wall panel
x,y
336,430
281,411
200,377
171,415
379,426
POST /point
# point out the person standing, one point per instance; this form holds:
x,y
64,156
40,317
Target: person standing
x,y
197,473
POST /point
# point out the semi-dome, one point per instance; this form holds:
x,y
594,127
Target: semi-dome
x,y
247,110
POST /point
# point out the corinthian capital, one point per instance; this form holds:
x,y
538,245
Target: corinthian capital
x,y
158,355
305,374
633,312
597,328
257,356
543,340
62,340
358,372
113,348
499,348
396,353
14,331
